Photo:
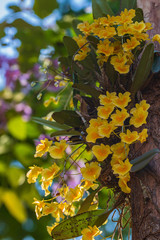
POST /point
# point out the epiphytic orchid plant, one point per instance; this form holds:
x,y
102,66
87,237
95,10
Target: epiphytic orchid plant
x,y
108,63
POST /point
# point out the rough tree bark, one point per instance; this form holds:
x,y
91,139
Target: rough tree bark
x,y
145,195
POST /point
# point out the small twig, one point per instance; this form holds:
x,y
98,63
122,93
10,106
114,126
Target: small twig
x,y
74,161
108,202
114,232
126,222
129,233
83,119
113,216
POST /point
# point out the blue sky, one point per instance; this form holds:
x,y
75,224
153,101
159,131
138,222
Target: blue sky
x,y
3,7
9,50
75,4
3,13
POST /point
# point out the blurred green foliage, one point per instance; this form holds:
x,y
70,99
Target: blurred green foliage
x,y
17,217
17,147
42,9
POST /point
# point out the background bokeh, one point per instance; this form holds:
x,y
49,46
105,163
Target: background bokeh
x,y
31,34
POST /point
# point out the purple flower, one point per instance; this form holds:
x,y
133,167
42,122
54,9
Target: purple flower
x,y
42,137
55,63
23,78
36,71
73,178
12,61
3,60
12,75
24,109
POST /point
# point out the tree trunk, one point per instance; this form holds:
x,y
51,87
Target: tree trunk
x,y
151,10
145,184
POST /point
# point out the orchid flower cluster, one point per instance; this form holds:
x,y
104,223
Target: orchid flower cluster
x,y
47,176
119,37
107,136
114,122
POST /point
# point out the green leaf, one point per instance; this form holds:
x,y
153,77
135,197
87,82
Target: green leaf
x,y
101,8
106,195
86,17
93,41
156,62
24,152
139,15
88,89
65,62
68,117
143,69
70,45
14,205
22,25
65,96
6,143
90,62
68,132
29,53
75,91
82,73
3,25
33,130
17,127
75,22
16,176
141,161
86,69
50,124
102,218
111,73
43,8
28,193
87,202
15,8
64,24
129,4
73,226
